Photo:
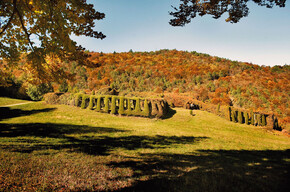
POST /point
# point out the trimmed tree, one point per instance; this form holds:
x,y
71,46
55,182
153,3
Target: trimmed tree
x,y
137,110
264,120
113,105
146,112
85,101
106,108
98,108
78,99
129,110
240,117
121,106
252,118
92,102
246,118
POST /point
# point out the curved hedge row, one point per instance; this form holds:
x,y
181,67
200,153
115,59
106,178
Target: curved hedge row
x,y
112,104
237,115
122,105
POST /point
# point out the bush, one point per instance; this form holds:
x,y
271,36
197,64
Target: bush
x,y
137,110
36,92
246,118
234,116
121,106
252,118
258,119
92,102
51,98
106,108
129,110
85,101
98,108
113,105
78,99
264,123
146,111
240,117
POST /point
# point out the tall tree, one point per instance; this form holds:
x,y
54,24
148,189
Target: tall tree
x,y
43,28
236,9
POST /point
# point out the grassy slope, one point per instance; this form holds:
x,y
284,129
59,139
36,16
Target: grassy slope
x,y
53,147
9,101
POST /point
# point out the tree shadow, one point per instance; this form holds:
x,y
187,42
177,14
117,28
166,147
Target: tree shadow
x,y
7,113
212,170
171,112
81,138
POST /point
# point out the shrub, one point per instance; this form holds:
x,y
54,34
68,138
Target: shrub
x,y
106,108
78,99
85,101
98,108
233,116
258,119
252,118
137,110
113,105
229,113
240,117
246,118
264,123
146,112
92,102
36,92
121,106
129,110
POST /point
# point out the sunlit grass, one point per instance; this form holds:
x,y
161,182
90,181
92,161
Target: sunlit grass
x,y
9,101
54,147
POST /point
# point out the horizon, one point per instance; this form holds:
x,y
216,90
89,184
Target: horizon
x,y
262,38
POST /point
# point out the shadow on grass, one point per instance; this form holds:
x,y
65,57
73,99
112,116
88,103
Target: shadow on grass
x,y
212,170
171,112
86,139
7,113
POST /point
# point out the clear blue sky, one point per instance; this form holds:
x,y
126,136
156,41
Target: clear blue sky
x,y
142,25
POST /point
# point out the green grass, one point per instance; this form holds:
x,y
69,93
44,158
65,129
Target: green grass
x,y
9,101
54,147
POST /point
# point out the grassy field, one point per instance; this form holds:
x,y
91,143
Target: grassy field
x,y
63,148
8,101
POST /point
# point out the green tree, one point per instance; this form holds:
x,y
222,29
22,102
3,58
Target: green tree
x,y
43,28
189,9
36,92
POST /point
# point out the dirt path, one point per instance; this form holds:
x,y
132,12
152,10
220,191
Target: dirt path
x,y
15,104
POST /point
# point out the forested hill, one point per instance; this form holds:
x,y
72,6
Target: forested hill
x,y
201,76
210,79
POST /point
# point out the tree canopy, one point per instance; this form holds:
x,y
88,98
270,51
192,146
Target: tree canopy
x,y
42,29
236,9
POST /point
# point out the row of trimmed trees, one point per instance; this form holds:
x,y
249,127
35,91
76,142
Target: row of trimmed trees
x,y
122,105
236,115
249,118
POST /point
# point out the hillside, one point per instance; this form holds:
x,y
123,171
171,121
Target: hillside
x,y
194,75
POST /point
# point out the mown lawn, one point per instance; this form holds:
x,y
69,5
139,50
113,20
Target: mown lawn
x,y
9,101
64,148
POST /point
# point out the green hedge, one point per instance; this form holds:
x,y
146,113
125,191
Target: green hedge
x,y
116,105
85,101
113,105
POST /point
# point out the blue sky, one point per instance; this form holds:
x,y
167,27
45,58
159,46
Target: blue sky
x,y
262,38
